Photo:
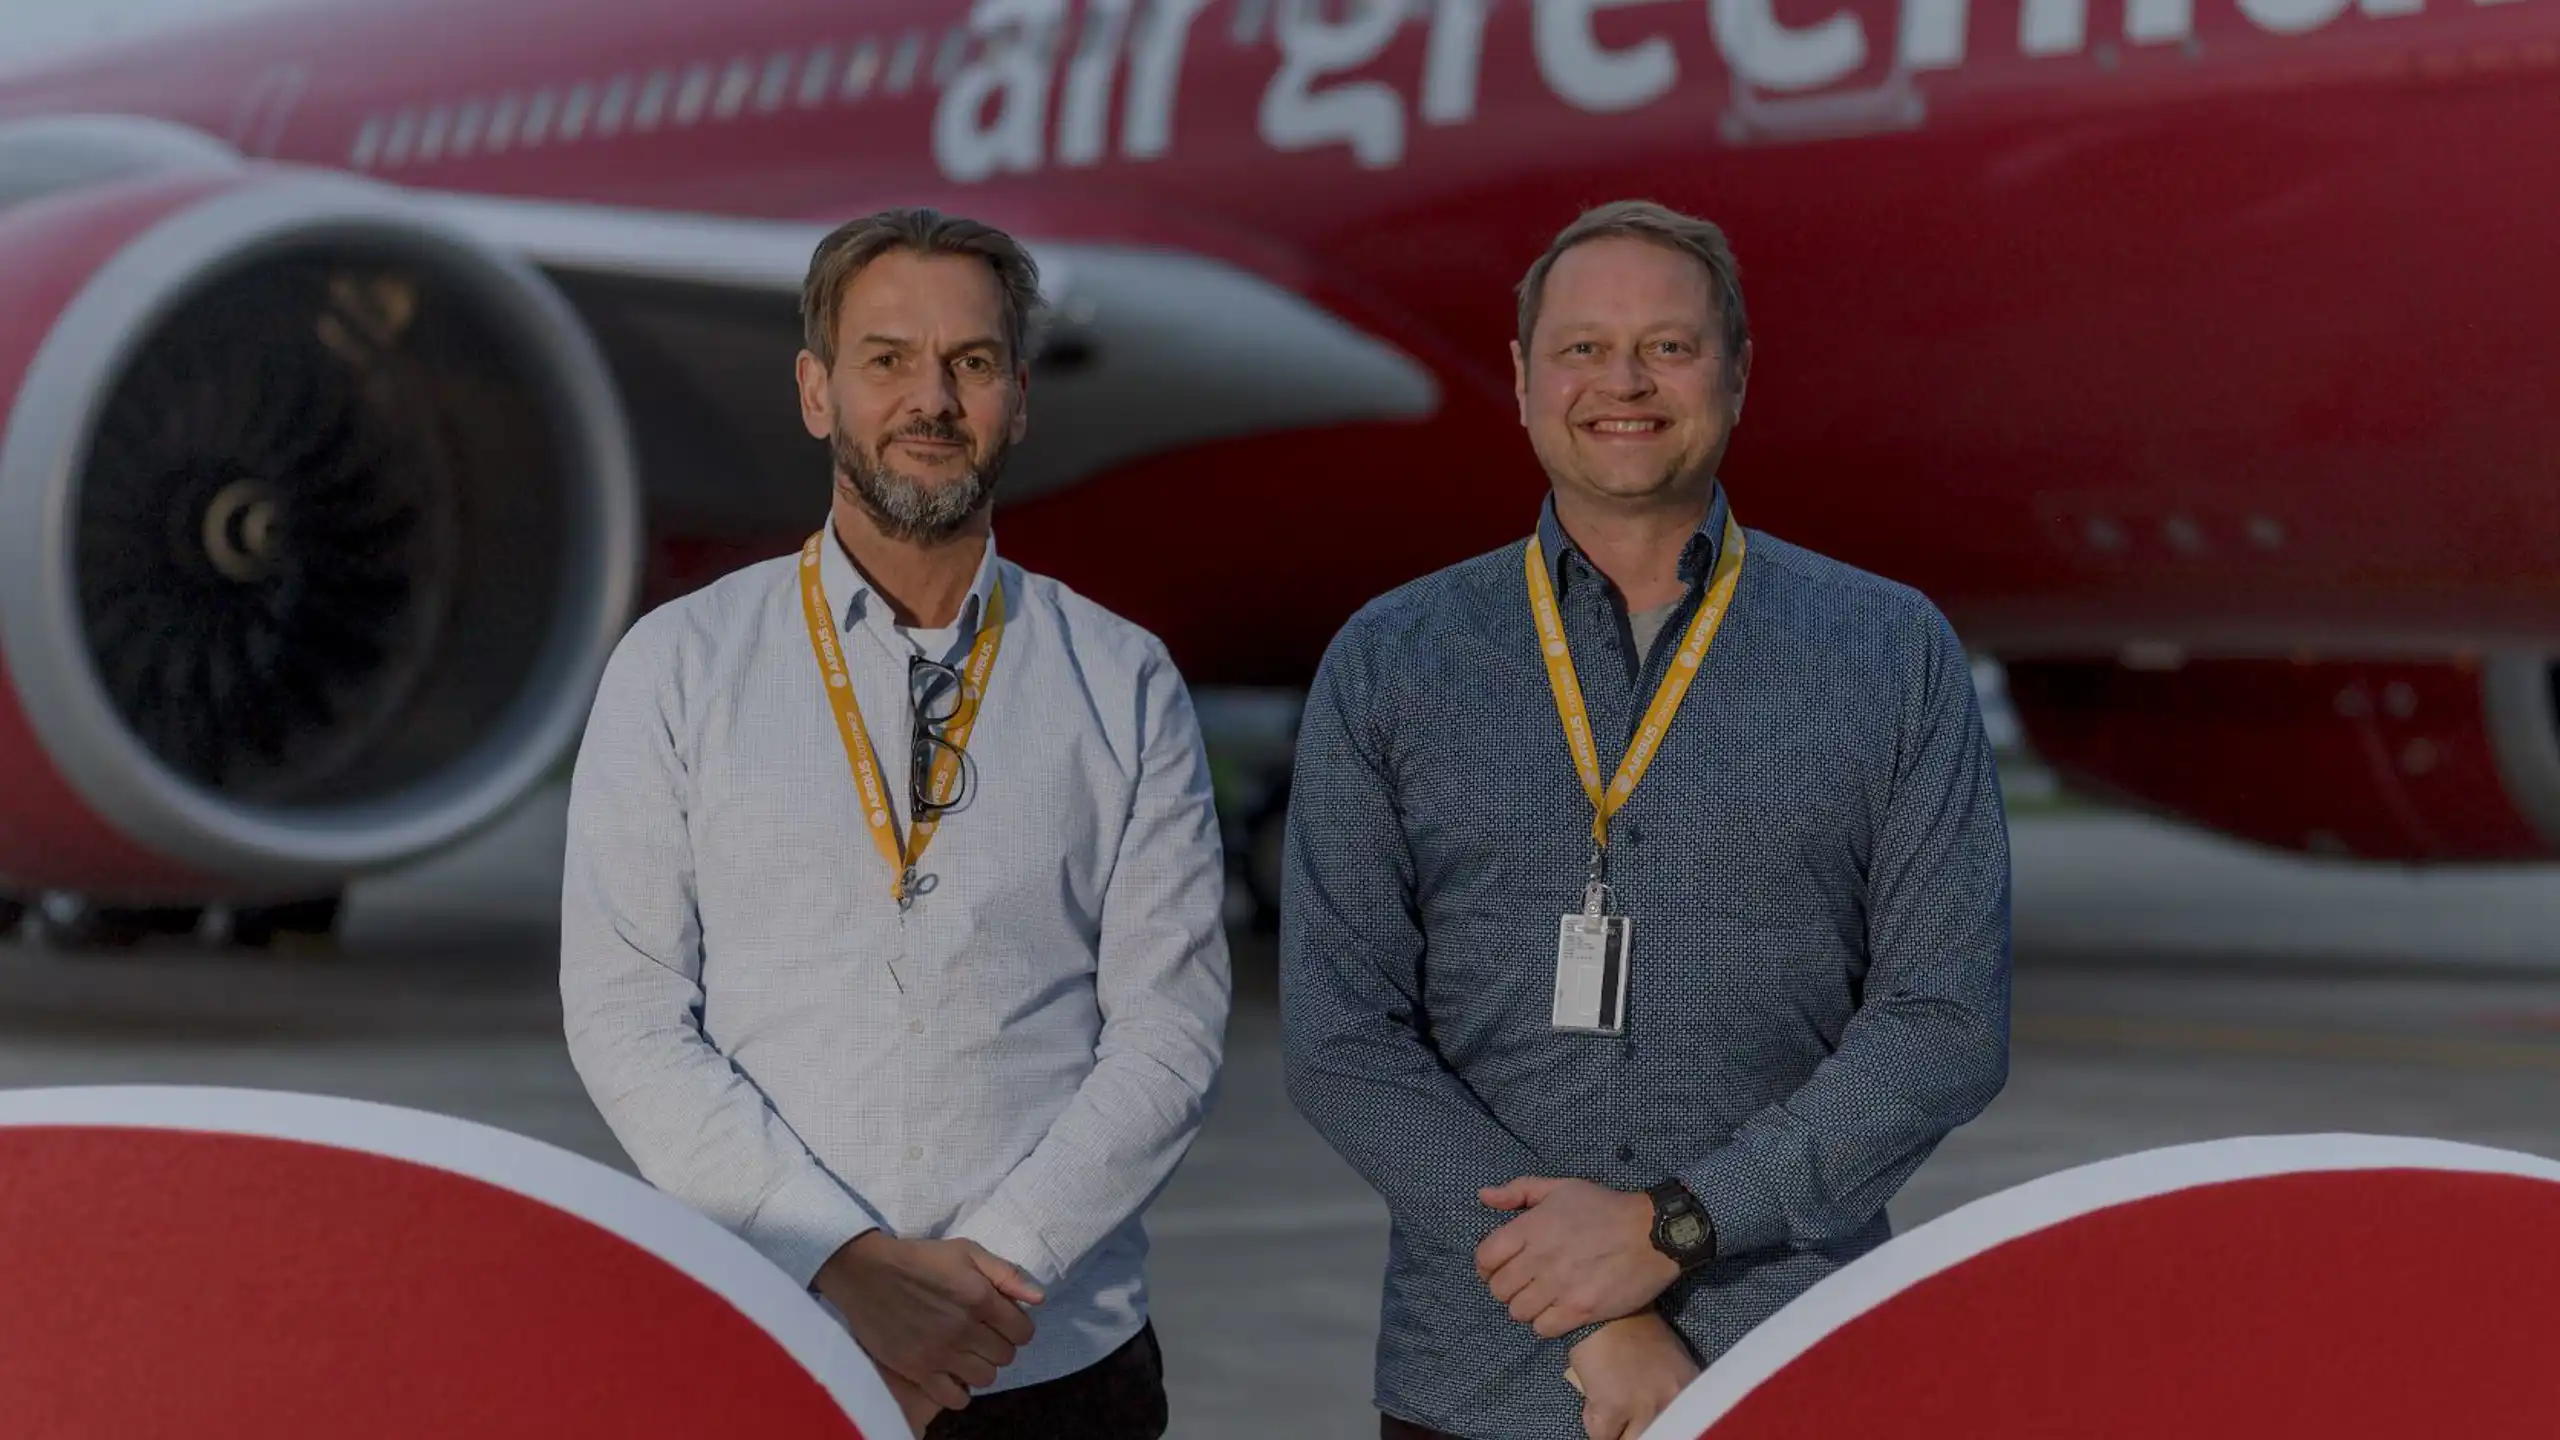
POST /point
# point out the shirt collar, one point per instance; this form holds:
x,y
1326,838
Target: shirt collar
x,y
1697,558
851,598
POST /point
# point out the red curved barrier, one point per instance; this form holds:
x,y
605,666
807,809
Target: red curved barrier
x,y
2331,1285
216,1263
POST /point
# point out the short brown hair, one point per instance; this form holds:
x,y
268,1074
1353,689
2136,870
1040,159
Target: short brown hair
x,y
857,243
1698,239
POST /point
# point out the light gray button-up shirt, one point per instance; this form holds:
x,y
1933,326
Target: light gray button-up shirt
x,y
1020,1059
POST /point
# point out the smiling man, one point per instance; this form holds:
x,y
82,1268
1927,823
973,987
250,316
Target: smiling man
x,y
1647,909
890,932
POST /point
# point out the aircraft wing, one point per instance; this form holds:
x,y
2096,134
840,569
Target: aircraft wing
x,y
1143,351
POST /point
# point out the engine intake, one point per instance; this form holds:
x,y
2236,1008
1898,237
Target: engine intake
x,y
317,524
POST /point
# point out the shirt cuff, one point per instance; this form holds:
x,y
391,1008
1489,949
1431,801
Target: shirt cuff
x,y
809,1219
1745,1212
1002,1229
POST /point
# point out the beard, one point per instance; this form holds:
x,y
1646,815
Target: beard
x,y
909,509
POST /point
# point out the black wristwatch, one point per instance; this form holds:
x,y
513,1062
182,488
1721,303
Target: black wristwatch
x,y
1681,1227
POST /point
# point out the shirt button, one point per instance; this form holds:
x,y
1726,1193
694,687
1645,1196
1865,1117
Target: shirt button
x,y
916,1025
1626,1153
915,1152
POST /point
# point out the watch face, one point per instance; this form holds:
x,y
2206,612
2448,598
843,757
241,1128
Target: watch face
x,y
1684,1231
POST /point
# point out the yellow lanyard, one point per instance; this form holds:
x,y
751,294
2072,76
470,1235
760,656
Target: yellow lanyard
x,y
1666,701
857,740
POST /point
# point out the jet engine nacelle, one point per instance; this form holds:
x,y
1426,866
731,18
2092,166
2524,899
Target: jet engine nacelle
x,y
317,524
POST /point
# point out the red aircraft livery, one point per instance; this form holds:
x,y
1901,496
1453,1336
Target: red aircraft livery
x,y
364,366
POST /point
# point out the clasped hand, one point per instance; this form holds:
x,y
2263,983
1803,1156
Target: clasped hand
x,y
1580,1254
939,1317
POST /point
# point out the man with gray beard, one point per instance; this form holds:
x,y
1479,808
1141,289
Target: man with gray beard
x,y
928,1035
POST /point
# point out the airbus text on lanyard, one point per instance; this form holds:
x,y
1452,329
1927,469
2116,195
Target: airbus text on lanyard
x,y
824,641
1592,947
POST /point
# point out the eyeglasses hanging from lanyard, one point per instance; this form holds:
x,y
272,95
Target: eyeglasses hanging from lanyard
x,y
932,774
937,769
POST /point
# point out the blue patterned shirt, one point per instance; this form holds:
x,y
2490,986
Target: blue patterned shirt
x,y
1817,868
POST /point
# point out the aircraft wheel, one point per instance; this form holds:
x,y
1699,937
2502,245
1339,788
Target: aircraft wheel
x,y
295,924
69,922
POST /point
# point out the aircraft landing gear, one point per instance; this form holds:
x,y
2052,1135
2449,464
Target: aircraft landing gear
x,y
295,924
60,920
63,921
1266,829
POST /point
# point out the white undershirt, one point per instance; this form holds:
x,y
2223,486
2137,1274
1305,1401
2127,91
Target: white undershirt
x,y
931,644
1647,624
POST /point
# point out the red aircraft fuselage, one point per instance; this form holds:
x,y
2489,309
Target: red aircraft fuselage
x,y
2213,329
2219,323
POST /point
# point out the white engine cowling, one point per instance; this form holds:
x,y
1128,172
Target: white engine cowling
x,y
317,524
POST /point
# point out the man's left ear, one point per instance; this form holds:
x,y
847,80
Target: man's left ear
x,y
1021,412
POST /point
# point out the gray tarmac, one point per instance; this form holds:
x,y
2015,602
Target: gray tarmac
x,y
2169,989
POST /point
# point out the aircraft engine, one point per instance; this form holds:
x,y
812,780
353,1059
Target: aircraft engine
x,y
317,524
2413,760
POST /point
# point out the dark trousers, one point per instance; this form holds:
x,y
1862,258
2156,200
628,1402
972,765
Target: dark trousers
x,y
1119,1397
1391,1428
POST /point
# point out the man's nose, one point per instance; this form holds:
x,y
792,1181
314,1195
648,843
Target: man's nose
x,y
936,394
1626,375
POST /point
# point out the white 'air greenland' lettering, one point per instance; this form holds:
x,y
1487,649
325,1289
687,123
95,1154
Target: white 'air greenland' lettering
x,y
1024,80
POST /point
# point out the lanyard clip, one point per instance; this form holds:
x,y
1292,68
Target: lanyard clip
x,y
907,890
1595,888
